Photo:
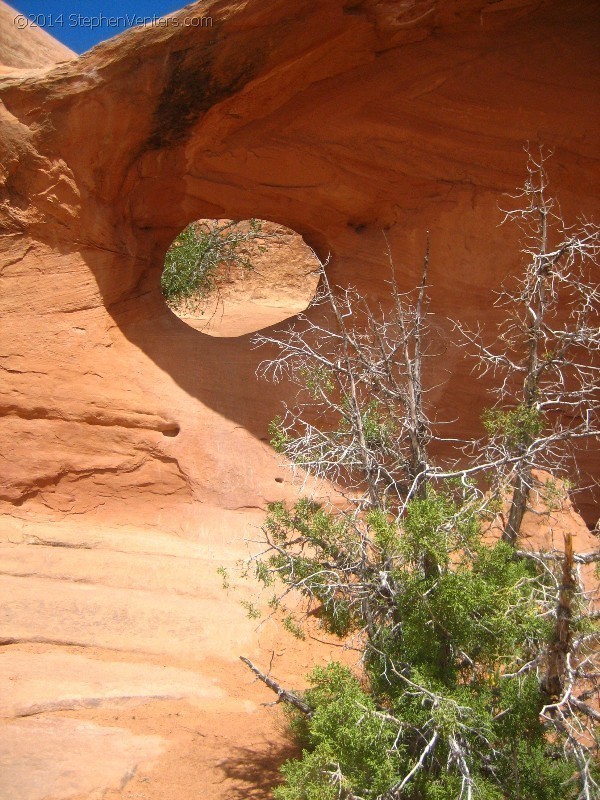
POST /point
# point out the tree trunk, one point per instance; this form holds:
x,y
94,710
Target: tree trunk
x,y
560,645
518,506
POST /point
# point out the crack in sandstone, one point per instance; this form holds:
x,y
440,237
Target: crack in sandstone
x,y
50,543
78,475
6,641
101,546
90,702
170,591
158,424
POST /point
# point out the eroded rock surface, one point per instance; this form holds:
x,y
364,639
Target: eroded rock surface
x,y
119,664
24,45
133,448
54,757
343,121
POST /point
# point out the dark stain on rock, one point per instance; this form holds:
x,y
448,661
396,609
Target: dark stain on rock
x,y
193,86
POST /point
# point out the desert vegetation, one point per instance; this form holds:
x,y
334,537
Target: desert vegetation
x,y
202,254
228,277
476,659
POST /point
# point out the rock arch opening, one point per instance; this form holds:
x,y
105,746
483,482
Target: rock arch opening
x,y
229,278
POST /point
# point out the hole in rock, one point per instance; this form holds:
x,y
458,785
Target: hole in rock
x,y
230,277
171,431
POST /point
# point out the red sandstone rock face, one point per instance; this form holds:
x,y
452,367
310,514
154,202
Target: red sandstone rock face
x,y
144,441
26,47
340,120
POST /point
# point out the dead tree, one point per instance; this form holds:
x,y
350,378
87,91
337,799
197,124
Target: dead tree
x,y
360,419
544,358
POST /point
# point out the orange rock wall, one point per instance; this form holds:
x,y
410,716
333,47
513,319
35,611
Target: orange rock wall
x,y
24,46
341,120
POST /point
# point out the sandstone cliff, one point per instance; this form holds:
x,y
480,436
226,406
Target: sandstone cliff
x,y
142,440
341,120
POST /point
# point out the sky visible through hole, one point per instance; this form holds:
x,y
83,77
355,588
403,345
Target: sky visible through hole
x,y
81,24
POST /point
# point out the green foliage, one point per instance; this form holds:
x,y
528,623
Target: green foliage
x,y
386,535
467,647
518,426
554,493
344,734
442,649
434,527
277,436
355,746
377,426
222,572
293,626
251,610
317,379
328,539
193,261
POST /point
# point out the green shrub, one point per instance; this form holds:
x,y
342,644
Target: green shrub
x,y
449,694
196,259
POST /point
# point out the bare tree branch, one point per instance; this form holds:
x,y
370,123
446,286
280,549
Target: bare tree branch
x,y
282,694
